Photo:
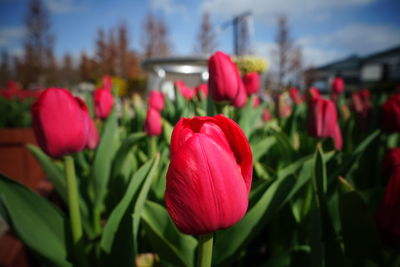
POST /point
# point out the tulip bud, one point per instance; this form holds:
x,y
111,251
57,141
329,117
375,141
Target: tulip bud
x,y
93,136
266,115
185,91
60,122
103,103
251,82
241,97
313,93
156,100
202,90
322,121
388,216
337,86
284,109
152,125
209,176
295,95
390,113
256,101
107,82
224,79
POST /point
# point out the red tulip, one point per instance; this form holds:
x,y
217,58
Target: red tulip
x,y
322,121
283,107
202,89
209,177
390,113
251,82
156,100
266,115
60,122
152,125
337,86
256,101
362,106
103,103
388,216
93,136
107,82
224,78
313,93
241,97
185,91
295,95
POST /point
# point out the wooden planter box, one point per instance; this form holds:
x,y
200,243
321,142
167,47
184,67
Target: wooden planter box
x,y
16,161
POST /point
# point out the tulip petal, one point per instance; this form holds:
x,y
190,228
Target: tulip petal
x,y
205,188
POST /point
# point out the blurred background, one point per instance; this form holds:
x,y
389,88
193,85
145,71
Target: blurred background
x,y
71,43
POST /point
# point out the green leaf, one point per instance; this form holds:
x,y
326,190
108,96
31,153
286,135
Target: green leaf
x,y
346,167
172,246
231,241
167,131
260,148
119,237
333,255
102,162
124,150
360,235
54,172
40,225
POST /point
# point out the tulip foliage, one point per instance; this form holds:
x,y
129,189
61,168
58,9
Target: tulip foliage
x,y
297,181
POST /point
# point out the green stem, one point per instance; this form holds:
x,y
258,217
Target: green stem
x,y
205,250
73,206
152,146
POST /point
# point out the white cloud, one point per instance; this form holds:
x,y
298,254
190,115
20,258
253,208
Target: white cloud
x,y
168,6
10,35
312,56
63,6
363,38
267,10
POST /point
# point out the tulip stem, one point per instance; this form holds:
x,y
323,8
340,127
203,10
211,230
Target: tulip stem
x,y
205,250
152,146
73,206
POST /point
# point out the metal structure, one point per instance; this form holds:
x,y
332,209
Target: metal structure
x,y
241,33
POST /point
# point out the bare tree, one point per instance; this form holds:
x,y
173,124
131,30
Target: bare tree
x,y
122,50
87,68
288,56
5,71
206,38
101,51
155,37
38,44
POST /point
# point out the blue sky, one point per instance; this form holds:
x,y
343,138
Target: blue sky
x,y
326,29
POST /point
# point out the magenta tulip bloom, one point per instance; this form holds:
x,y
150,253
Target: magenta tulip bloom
x,y
322,121
388,216
152,125
390,114
202,90
251,82
156,100
337,86
241,97
60,122
295,95
185,91
209,177
256,101
224,81
312,94
93,137
107,82
266,115
103,103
